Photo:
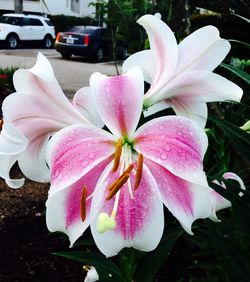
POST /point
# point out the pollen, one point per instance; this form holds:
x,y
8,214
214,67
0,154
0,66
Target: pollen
x,y
83,203
138,171
118,152
117,185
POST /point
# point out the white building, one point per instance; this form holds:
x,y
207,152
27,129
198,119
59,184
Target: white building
x,y
78,8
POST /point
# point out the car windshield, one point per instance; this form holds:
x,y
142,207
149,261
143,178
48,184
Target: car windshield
x,y
82,29
11,20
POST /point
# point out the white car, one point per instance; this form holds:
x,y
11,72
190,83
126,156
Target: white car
x,y
15,28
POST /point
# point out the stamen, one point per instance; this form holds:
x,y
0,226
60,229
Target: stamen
x,y
127,171
1,124
86,268
83,203
119,183
138,171
118,152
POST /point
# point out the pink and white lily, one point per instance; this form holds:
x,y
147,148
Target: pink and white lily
x,y
181,76
116,182
219,202
31,115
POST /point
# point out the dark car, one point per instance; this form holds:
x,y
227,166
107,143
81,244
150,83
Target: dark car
x,y
93,42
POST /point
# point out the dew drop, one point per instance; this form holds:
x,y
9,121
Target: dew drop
x,y
91,156
163,156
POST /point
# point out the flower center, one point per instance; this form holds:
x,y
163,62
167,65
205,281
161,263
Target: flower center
x,y
122,159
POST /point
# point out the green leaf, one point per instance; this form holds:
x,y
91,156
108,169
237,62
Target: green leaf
x,y
151,263
236,136
240,73
106,269
240,42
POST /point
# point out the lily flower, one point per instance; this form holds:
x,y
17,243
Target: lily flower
x,y
31,115
92,274
181,76
219,202
118,181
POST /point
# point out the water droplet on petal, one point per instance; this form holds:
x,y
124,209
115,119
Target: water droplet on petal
x,y
163,156
91,156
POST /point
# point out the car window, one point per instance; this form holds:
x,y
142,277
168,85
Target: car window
x,y
11,20
76,29
26,21
35,22
48,22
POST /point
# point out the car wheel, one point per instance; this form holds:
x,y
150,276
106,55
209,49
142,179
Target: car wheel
x,y
66,56
47,42
99,55
12,41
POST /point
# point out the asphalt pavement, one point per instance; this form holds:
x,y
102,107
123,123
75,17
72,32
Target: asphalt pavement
x,y
71,74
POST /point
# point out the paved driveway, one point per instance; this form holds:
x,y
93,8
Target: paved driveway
x,y
71,74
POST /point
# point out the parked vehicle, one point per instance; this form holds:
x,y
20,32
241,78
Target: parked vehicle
x,y
16,28
92,42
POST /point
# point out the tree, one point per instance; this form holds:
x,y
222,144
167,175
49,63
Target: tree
x,y
18,6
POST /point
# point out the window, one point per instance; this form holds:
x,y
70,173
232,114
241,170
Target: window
x,y
11,20
35,22
26,21
48,22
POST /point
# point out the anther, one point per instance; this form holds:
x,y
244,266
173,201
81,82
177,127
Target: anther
x,y
1,124
117,186
138,171
83,203
127,171
118,152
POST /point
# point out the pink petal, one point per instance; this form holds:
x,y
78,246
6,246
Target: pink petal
x,y
63,207
202,50
220,202
139,221
143,59
32,161
12,144
164,49
84,102
197,111
119,100
76,150
212,86
37,110
176,143
185,200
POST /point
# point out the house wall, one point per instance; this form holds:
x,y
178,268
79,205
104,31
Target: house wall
x,y
56,7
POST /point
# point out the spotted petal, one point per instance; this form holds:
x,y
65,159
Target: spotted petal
x,y
119,100
176,143
74,151
139,220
